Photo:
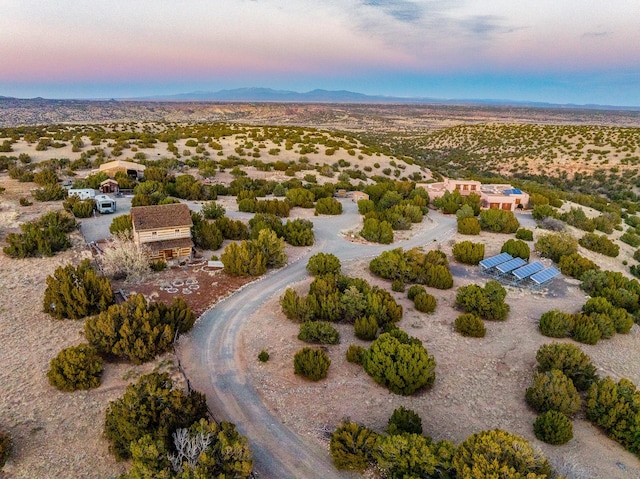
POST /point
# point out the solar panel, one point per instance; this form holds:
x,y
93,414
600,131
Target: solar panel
x,y
527,270
495,260
510,265
545,275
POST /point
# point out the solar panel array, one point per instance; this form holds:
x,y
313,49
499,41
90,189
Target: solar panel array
x,y
545,275
527,270
495,260
510,265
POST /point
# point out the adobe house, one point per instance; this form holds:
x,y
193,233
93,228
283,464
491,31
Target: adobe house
x,y
503,197
134,170
109,186
164,229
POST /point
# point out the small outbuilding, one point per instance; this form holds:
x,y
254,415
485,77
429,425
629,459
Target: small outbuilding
x,y
359,195
109,186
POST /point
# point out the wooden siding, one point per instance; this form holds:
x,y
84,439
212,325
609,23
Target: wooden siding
x,y
163,234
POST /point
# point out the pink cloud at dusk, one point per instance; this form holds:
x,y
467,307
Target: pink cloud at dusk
x,y
226,44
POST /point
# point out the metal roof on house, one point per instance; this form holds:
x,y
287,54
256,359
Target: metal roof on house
x,y
160,216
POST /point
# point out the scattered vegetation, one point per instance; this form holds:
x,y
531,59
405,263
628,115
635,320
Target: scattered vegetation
x,y
74,368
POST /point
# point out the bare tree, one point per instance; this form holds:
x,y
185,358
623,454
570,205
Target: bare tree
x,y
188,447
123,257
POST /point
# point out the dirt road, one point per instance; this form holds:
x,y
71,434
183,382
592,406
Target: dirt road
x,y
215,364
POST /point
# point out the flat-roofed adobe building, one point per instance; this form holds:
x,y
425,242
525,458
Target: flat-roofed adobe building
x,y
503,197
164,229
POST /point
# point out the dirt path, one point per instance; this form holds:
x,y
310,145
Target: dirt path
x,y
215,360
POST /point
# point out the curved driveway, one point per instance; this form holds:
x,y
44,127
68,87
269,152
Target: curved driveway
x,y
210,352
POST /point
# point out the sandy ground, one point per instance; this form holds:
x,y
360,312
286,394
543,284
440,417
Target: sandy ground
x,y
480,383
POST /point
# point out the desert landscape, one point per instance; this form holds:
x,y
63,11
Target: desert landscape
x,y
480,382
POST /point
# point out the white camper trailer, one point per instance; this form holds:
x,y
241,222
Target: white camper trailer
x,y
83,193
104,204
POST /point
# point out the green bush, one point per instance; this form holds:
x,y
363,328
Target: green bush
x,y
137,330
78,367
586,330
77,292
556,245
468,252
615,287
516,248
622,320
524,234
121,224
366,328
243,259
298,232
150,407
328,206
377,231
553,391
158,266
232,230
425,303
498,221
323,263
605,325
352,446
212,210
311,363
406,456
569,359
79,208
263,357
487,302
556,324
415,290
553,427
615,407
50,193
600,244
404,421
318,332
414,266
42,237
488,454
355,354
300,197
205,234
470,325
542,211
5,448
397,285
575,265
400,363
469,226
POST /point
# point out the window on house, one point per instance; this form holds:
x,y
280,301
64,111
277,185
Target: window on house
x,y
177,231
154,233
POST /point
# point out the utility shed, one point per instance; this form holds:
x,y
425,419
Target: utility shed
x,y
164,229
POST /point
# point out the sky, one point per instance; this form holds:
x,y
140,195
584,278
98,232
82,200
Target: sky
x,y
558,51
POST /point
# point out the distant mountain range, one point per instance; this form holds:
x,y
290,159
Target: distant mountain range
x,y
268,95
345,96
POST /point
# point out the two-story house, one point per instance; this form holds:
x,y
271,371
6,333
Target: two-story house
x,y
164,229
